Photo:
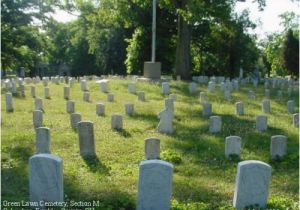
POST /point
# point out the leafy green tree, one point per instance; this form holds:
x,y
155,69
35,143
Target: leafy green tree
x,y
291,53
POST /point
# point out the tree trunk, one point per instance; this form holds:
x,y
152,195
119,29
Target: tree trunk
x,y
183,50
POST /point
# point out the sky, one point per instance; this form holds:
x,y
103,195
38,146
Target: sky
x,y
270,22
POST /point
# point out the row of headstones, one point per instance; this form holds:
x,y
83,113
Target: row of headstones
x,y
155,179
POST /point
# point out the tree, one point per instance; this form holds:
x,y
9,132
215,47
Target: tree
x,y
291,53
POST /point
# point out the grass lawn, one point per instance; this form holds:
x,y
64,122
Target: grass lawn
x,y
203,177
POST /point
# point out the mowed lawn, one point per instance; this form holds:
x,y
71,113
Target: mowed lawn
x,y
203,177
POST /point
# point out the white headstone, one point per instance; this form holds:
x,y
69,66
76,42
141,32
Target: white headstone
x,y
233,145
110,97
116,122
155,185
42,140
75,118
70,107
192,87
252,184
266,106
290,106
46,179
132,88
165,88
37,118
215,124
278,146
86,96
152,148
261,123
86,138
9,102
104,85
100,109
165,124
141,95
38,103
66,93
129,108
47,92
203,97
32,91
296,120
206,109
239,108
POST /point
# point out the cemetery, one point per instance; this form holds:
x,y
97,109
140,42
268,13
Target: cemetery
x,y
165,153
149,105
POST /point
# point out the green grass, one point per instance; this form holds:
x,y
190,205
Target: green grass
x,y
203,177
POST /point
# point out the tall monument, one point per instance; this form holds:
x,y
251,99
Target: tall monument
x,y
152,69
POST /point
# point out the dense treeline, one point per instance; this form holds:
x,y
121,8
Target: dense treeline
x,y
114,37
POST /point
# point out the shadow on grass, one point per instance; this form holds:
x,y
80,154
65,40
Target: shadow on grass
x,y
101,198
145,117
122,132
95,165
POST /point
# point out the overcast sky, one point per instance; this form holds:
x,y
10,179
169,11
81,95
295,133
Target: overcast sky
x,y
269,17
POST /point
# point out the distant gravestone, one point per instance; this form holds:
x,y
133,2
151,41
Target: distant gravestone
x,y
261,123
22,90
252,184
233,146
290,106
206,109
278,146
86,138
70,107
203,97
42,140
86,96
296,120
9,102
32,91
46,179
132,88
152,148
141,95
267,93
129,108
110,97
37,118
38,103
116,122
100,109
47,92
83,85
13,87
104,85
155,185
173,96
165,88
251,94
66,93
211,87
239,108
227,95
266,106
215,124
166,121
75,118
192,87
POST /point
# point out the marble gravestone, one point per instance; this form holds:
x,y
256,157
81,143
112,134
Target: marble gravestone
x,y
32,91
9,102
233,145
141,95
252,184
42,140
67,93
104,85
132,88
215,124
296,120
100,109
165,124
70,107
203,97
206,109
239,108
261,123
38,103
266,106
86,96
46,178
129,108
22,90
117,122
173,96
192,87
290,106
152,148
165,88
75,118
37,118
86,138
154,185
278,146
47,92
110,97
211,87
83,85
227,95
